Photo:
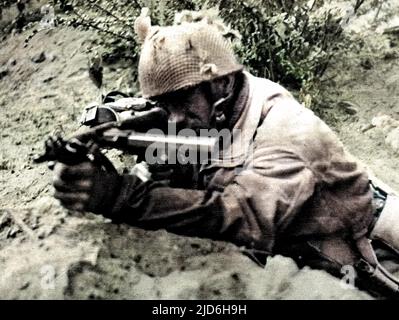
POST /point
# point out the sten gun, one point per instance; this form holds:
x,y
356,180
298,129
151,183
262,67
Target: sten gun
x,y
127,135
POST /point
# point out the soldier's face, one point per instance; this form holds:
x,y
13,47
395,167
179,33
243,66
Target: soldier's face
x,y
189,108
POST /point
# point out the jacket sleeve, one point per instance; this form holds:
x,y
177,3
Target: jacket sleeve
x,y
258,203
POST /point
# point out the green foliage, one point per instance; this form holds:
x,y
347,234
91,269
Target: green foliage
x,y
7,3
290,42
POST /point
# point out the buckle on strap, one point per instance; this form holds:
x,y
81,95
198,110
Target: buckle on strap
x,y
378,203
379,199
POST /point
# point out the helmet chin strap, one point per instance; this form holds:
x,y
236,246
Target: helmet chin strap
x,y
222,117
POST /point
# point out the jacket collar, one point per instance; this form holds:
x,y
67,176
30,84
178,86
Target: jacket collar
x,y
244,129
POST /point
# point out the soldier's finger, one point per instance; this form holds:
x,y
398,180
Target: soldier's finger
x,y
70,198
72,186
74,207
77,207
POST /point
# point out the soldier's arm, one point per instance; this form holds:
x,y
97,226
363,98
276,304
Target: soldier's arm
x,y
257,204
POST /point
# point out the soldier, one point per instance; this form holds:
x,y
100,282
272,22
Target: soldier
x,y
284,186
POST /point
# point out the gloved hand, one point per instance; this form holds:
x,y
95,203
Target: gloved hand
x,y
85,187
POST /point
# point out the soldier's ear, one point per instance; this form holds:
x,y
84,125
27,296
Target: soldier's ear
x,y
229,82
223,86
222,90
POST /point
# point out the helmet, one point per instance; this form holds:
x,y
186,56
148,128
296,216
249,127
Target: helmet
x,y
180,56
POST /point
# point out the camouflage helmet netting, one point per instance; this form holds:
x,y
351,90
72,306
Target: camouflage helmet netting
x,y
181,56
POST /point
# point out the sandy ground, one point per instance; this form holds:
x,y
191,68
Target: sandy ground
x,y
47,252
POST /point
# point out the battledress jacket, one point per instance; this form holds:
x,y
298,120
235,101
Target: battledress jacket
x,y
285,178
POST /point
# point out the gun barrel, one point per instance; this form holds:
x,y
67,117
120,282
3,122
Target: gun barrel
x,y
125,140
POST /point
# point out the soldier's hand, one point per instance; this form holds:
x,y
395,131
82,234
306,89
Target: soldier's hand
x,y
85,187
